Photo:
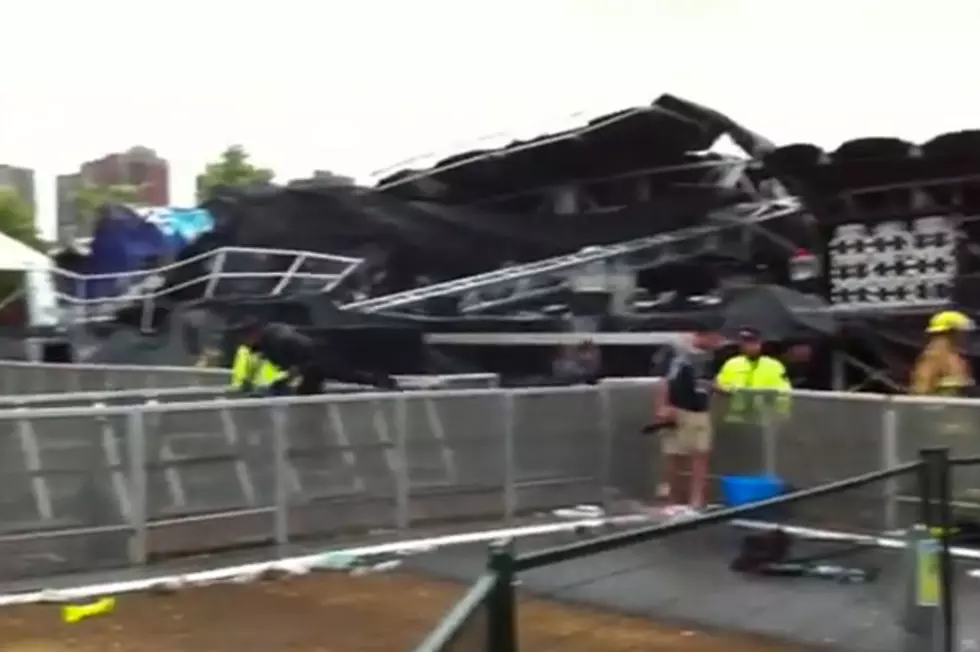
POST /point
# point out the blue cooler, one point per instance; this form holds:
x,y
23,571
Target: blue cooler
x,y
744,489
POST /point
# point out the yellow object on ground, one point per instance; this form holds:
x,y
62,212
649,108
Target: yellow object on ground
x,y
73,613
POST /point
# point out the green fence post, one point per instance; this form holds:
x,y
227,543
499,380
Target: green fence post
x,y
929,604
502,602
947,606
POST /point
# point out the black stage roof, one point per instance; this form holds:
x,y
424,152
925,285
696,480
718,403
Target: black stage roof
x,y
670,132
866,170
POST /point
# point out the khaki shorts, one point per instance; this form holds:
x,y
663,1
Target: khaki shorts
x,y
692,434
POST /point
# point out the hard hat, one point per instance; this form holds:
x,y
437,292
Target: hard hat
x,y
949,321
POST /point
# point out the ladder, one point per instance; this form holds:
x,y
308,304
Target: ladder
x,y
656,249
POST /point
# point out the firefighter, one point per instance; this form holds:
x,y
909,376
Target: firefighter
x,y
942,369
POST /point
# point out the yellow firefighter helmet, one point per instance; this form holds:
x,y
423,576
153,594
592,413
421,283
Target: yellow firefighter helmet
x,y
949,321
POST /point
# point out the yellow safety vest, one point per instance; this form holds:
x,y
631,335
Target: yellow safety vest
x,y
251,371
764,374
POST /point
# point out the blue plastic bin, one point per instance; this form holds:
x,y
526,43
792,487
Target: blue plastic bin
x,y
743,489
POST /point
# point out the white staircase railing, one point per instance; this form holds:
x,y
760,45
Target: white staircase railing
x,y
642,253
229,271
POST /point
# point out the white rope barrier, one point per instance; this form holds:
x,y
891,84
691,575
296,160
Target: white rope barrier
x,y
300,565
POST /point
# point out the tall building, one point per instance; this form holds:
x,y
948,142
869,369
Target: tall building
x,y
138,166
20,180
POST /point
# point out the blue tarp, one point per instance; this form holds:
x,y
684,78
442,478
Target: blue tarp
x,y
129,239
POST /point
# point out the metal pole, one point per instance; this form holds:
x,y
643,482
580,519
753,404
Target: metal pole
x,y
889,459
280,448
606,430
931,612
946,570
403,489
510,469
502,602
838,372
927,489
767,425
136,434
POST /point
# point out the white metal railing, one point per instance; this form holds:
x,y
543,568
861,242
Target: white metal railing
x,y
173,474
283,269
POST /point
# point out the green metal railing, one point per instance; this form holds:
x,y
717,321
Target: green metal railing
x,y
484,618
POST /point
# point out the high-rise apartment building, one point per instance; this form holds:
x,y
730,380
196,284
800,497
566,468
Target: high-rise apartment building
x,y
138,166
20,180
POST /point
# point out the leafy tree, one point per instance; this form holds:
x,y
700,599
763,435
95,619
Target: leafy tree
x,y
233,168
90,198
17,222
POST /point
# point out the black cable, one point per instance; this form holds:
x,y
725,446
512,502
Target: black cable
x,y
553,594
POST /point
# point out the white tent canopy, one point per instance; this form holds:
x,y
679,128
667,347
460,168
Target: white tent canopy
x,y
42,301
18,257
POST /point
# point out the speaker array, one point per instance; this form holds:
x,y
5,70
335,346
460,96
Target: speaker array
x,y
901,263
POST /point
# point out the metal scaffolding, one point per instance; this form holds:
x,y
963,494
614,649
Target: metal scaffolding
x,y
642,253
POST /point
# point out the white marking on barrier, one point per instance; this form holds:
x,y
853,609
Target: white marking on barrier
x,y
888,542
304,563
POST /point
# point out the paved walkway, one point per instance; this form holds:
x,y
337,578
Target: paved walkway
x,y
674,594
686,580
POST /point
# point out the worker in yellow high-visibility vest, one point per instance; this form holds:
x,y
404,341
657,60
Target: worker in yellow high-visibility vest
x,y
752,381
252,373
757,389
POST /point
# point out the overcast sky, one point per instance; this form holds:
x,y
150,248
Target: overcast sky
x,y
357,85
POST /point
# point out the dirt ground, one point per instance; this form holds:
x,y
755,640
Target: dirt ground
x,y
330,613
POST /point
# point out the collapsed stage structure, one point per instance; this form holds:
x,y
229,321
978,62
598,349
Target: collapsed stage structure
x,y
625,228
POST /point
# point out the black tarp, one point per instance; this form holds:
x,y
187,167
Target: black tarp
x,y
779,314
360,341
332,220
